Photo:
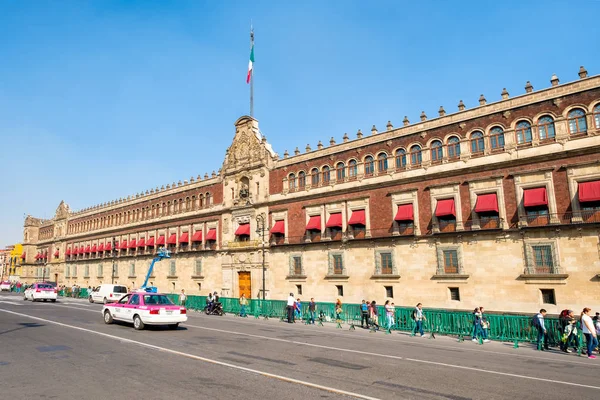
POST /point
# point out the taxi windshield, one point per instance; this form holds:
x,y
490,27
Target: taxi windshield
x,y
159,299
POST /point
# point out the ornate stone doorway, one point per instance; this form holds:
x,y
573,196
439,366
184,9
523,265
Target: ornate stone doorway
x,y
245,284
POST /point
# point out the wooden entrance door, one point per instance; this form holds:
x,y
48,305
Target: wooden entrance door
x,y
245,284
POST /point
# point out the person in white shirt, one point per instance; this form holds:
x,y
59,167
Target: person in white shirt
x,y
589,331
182,297
290,308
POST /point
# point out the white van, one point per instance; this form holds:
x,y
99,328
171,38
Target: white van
x,y
107,293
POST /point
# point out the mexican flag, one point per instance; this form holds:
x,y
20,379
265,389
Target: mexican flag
x,y
250,64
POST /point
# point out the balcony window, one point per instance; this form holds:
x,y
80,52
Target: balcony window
x,y
497,138
577,122
369,166
453,147
400,158
437,152
477,143
416,157
546,128
523,132
314,177
382,164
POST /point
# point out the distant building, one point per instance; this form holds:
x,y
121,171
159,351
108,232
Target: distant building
x,y
498,206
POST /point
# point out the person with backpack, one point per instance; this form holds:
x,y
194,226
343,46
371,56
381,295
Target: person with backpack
x,y
485,326
418,317
564,327
364,311
542,334
374,315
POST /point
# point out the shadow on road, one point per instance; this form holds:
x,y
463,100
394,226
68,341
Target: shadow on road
x,y
23,325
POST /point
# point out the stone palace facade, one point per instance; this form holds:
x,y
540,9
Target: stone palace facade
x,y
495,206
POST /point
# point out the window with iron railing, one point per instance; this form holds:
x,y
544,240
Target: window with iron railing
x,y
100,271
296,268
449,259
336,264
172,268
132,269
450,262
447,223
198,267
335,233
386,263
537,215
541,258
406,227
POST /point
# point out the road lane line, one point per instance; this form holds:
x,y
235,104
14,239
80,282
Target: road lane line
x,y
366,353
199,358
413,341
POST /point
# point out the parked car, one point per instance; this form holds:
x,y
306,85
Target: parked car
x,y
5,286
107,293
143,308
40,291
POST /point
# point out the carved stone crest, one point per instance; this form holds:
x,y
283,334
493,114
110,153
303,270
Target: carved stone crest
x,y
62,211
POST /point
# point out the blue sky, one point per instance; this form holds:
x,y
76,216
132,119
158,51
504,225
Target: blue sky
x,y
103,99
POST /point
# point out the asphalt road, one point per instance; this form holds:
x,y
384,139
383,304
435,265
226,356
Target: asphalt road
x,y
55,350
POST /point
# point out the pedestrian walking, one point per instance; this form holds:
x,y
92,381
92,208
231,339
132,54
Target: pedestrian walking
x,y
589,331
388,314
243,304
298,310
393,308
542,333
374,315
182,297
418,317
312,310
364,310
569,335
338,310
290,308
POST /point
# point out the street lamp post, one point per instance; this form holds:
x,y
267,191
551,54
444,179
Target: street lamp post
x,y
260,228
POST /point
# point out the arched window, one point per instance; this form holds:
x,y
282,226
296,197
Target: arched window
x,y
352,168
415,155
523,132
314,177
453,147
546,127
369,166
292,181
597,116
497,138
326,174
340,170
208,199
437,152
577,122
382,164
477,143
301,180
400,158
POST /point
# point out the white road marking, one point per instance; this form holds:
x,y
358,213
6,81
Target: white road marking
x,y
412,341
11,303
366,353
195,357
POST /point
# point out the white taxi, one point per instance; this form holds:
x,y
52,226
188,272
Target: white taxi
x,y
40,291
143,308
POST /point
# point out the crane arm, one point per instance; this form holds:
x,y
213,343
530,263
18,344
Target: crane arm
x,y
162,253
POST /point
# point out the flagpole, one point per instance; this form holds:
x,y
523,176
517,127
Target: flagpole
x,y
252,74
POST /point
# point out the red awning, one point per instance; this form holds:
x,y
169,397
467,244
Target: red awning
x,y
37,256
56,253
81,251
142,242
486,203
589,191
197,236
108,246
68,252
405,213
123,245
132,244
101,247
161,240
314,223
172,239
211,234
74,253
151,242
23,256
243,229
358,218
445,208
184,238
279,227
94,248
88,249
334,221
535,197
